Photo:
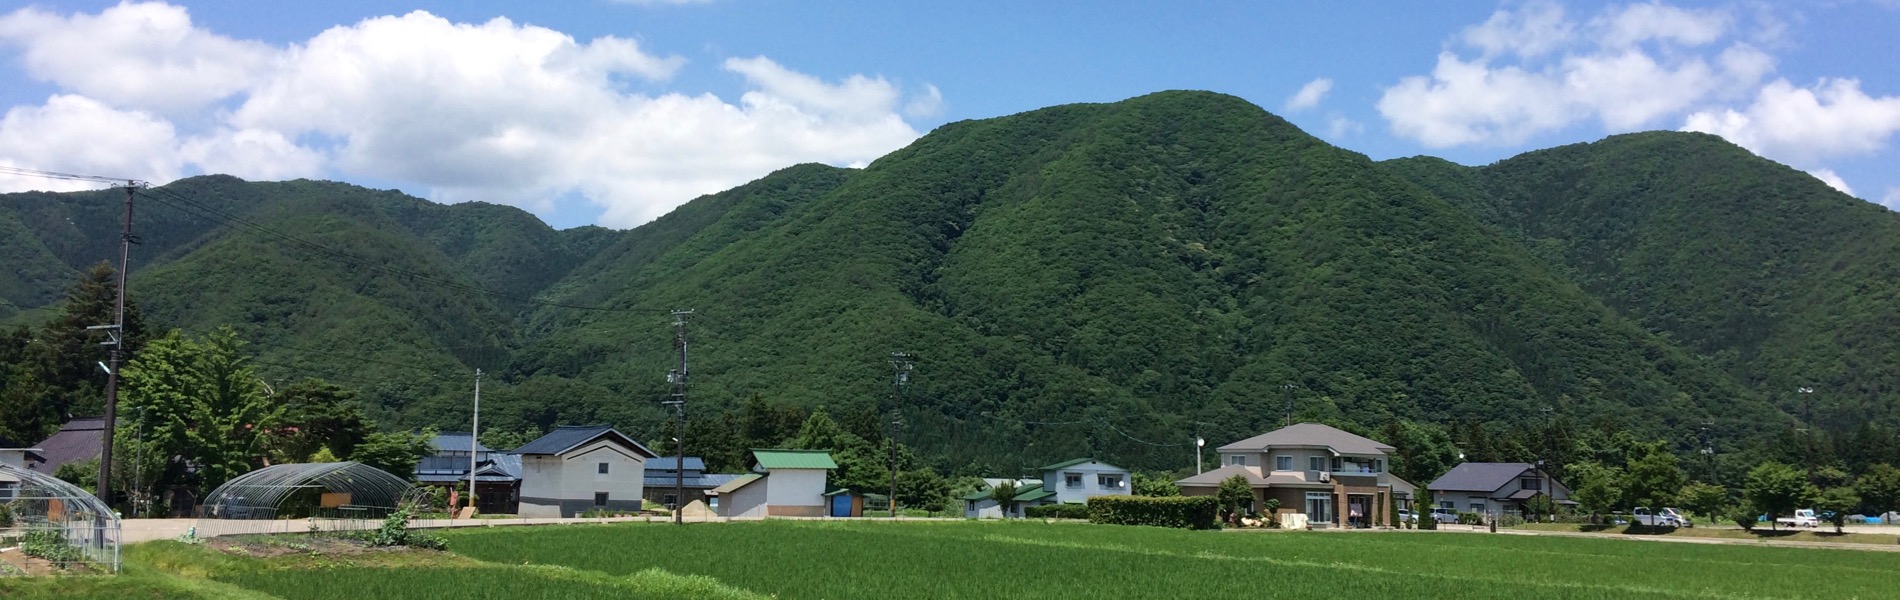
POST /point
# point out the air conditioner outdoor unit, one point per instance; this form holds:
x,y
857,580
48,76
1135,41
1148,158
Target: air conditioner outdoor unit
x,y
1325,477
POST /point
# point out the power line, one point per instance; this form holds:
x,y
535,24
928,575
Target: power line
x,y
1097,420
195,208
25,172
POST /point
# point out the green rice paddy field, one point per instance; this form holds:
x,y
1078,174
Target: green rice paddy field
x,y
843,560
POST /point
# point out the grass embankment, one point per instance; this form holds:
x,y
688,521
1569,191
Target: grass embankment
x,y
840,560
1823,535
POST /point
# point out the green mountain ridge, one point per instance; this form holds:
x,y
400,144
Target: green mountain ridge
x,y
1098,279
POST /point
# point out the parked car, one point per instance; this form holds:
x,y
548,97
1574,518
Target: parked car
x,y
1445,515
1407,516
1802,518
1661,517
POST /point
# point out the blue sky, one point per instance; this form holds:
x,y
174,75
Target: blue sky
x,y
614,112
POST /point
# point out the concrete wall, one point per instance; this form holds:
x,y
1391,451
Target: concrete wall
x,y
565,485
1090,472
745,503
983,509
795,491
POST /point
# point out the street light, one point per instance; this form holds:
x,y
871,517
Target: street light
x,y
1199,442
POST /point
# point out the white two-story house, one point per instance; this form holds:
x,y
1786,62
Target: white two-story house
x,y
575,469
1329,476
1075,481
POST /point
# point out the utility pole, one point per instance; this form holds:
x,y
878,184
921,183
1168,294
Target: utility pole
x,y
116,331
1807,433
901,365
474,430
1708,449
677,377
1289,403
1543,468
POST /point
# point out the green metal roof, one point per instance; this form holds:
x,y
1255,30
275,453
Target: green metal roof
x,y
1070,463
793,459
1032,494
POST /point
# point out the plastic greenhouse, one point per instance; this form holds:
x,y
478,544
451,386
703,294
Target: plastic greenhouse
x,y
55,521
326,496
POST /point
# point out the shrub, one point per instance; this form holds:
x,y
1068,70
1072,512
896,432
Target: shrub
x,y
395,532
1426,521
1743,519
1057,511
1470,518
1185,512
6,517
48,544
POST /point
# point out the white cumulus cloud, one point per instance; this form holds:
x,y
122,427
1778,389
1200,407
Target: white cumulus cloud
x,y
1309,95
76,134
1833,180
1538,70
144,56
1892,199
496,111
1804,125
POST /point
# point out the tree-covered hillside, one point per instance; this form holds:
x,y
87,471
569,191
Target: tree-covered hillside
x,y
1107,280
1770,274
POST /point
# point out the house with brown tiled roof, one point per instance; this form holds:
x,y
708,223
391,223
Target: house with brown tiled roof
x,y
1320,474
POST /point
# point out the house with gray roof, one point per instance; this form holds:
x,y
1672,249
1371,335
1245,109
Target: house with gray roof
x,y
1325,476
664,477
77,440
497,474
574,469
1495,488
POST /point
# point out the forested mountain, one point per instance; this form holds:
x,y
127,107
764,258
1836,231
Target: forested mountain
x,y
1106,279
1769,274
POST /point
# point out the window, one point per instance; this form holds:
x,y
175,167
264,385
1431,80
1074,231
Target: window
x,y
1447,505
603,468
1237,459
1530,483
1282,463
600,498
1072,480
1477,507
1108,482
1315,463
669,500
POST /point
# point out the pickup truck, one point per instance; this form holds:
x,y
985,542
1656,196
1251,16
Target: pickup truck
x,y
1661,517
1802,518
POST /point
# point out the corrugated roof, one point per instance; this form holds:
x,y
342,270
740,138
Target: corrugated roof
x,y
567,437
1070,463
79,439
1032,494
736,483
1310,435
1478,477
665,463
793,459
456,441
692,481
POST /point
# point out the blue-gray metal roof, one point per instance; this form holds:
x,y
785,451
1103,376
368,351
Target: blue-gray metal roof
x,y
665,463
1478,477
567,437
456,441
702,481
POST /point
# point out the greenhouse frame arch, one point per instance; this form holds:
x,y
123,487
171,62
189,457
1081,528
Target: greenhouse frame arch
x,y
333,495
57,521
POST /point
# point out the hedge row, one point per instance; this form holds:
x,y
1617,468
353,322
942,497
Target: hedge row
x,y
1057,511
1185,512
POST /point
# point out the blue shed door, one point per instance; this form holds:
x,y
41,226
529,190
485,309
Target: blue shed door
x,y
841,505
